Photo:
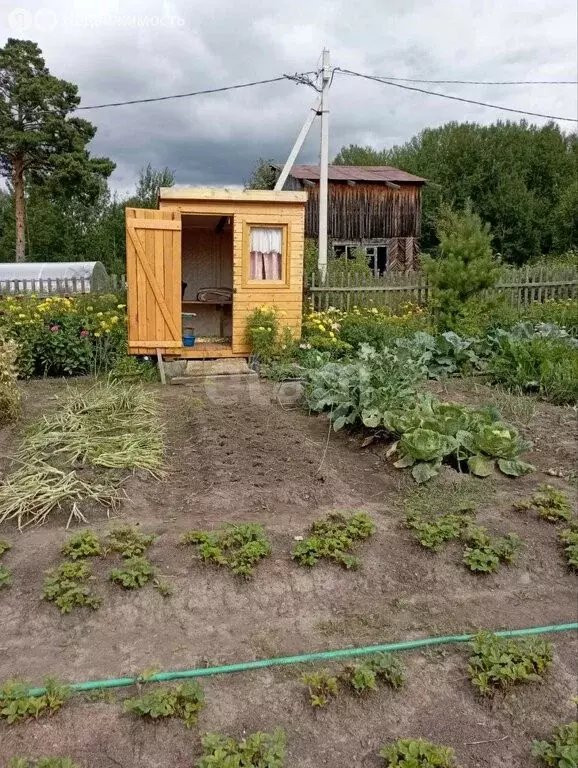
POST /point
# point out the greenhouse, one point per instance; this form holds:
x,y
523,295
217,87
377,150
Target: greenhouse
x,y
53,277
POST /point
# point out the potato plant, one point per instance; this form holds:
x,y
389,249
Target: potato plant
x,y
134,573
417,753
129,541
239,547
333,538
66,587
82,544
258,750
498,663
484,553
550,504
16,704
183,701
432,533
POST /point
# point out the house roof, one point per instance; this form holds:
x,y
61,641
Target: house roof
x,y
375,173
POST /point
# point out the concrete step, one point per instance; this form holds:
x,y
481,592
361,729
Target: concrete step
x,y
223,366
220,378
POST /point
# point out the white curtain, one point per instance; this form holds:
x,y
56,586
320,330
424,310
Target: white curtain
x,y
266,250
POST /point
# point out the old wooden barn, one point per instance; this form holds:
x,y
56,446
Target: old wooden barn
x,y
198,266
376,208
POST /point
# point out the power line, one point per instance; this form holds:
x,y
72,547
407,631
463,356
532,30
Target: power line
x,y
480,82
195,93
455,98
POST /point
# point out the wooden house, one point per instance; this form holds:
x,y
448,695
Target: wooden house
x,y
204,260
376,208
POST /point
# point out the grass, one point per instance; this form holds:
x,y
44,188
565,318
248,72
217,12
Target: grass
x,y
77,453
441,495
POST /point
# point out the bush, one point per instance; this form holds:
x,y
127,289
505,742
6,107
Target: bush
x,y
9,392
60,336
464,268
562,750
417,753
258,750
262,332
547,367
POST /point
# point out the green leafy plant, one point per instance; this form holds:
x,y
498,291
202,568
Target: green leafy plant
x,y
43,762
388,669
483,553
332,538
569,539
5,546
258,750
240,547
134,573
322,687
129,541
417,753
361,677
262,330
550,504
163,586
9,391
562,749
501,662
17,704
432,533
184,701
82,544
66,586
5,577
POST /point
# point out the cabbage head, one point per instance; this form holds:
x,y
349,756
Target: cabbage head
x,y
500,441
426,445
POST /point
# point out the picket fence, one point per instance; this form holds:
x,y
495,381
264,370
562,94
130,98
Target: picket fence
x,y
393,289
62,287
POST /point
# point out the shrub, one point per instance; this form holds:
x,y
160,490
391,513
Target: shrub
x,y
240,547
550,504
184,701
64,336
379,327
16,704
501,662
130,368
332,538
417,753
464,268
82,544
262,332
322,687
134,573
258,750
66,587
547,367
562,749
9,392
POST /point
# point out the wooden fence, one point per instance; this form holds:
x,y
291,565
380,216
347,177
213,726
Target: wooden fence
x,y
521,286
62,287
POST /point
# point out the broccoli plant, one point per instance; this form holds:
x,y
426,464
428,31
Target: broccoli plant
x,y
501,662
17,704
562,750
184,701
333,538
258,750
82,544
66,587
240,547
417,753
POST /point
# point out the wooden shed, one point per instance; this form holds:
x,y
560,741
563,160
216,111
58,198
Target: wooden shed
x,y
204,260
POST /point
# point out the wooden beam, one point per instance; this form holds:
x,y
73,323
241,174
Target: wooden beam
x,y
225,193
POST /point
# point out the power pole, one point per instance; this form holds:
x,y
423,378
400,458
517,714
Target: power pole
x,y
323,164
313,112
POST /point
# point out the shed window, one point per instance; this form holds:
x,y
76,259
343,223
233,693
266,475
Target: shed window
x,y
266,253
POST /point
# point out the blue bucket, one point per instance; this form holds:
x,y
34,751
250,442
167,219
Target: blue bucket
x,y
189,340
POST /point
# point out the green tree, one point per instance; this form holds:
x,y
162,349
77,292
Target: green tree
x,y
263,176
40,141
520,178
465,265
149,183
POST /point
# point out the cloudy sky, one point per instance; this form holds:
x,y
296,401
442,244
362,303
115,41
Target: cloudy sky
x,y
129,49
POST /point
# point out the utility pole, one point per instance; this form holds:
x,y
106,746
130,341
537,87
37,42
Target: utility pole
x,y
324,164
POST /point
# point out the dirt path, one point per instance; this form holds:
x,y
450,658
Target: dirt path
x,y
236,456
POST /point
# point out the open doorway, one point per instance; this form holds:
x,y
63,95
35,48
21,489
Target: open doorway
x,y
207,282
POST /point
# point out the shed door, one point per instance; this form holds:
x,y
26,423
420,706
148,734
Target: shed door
x,y
153,274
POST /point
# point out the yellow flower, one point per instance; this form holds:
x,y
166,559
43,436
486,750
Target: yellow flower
x,y
99,314
107,330
21,315
97,333
120,306
89,309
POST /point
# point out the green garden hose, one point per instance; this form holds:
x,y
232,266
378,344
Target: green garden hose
x,y
342,653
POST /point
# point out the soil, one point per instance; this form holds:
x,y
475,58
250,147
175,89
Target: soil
x,y
234,454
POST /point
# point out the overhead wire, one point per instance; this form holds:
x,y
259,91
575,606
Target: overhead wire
x,y
454,98
480,82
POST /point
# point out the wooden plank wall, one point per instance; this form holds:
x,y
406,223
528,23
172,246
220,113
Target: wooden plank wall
x,y
287,299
